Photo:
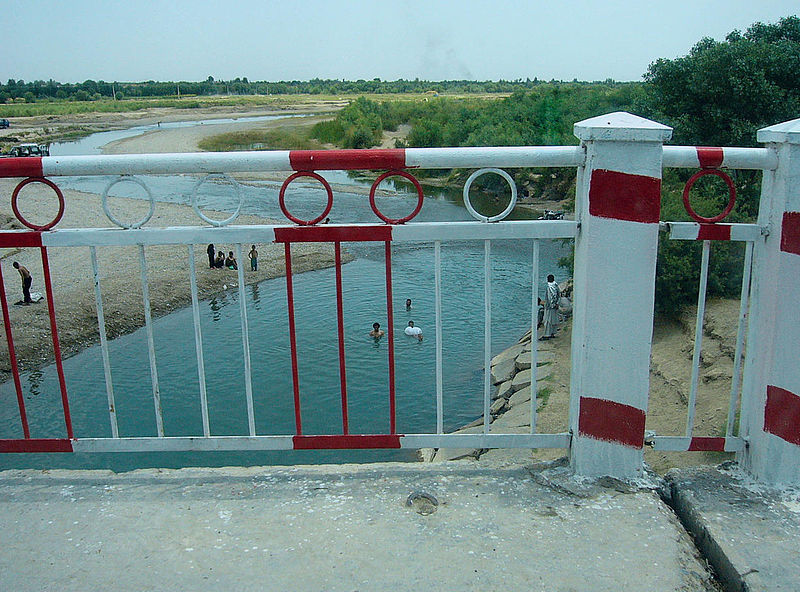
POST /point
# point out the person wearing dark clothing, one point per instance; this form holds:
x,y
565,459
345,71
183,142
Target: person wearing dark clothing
x,y
210,250
219,262
27,280
230,261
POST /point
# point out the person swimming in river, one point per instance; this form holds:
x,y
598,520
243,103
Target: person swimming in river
x,y
376,332
413,331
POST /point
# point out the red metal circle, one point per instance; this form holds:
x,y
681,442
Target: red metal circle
x,y
325,184
374,188
731,192
50,184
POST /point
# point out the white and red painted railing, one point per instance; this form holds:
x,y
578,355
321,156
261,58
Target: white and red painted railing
x,y
619,165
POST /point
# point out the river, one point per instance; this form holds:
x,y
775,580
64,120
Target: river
x,y
315,310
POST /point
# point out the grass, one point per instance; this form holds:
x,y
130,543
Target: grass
x,y
280,138
544,395
67,107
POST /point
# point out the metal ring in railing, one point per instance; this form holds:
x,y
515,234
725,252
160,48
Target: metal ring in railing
x,y
140,183
478,216
374,188
239,195
731,193
282,198
50,184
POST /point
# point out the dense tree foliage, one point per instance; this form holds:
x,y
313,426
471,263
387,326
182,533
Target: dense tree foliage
x,y
722,92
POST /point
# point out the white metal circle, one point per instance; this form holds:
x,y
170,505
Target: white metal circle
x,y
141,184
236,186
478,216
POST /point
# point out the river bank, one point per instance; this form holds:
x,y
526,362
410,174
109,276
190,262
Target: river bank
x,y
670,372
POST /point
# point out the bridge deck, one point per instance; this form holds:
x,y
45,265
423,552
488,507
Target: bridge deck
x,y
342,527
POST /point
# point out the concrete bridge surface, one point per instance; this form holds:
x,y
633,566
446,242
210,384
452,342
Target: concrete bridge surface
x,y
421,527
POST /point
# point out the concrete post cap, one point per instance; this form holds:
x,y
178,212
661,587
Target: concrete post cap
x,y
621,127
787,132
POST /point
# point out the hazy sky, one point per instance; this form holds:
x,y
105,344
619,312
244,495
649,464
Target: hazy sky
x,y
132,40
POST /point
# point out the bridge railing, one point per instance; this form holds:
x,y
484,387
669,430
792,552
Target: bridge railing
x,y
619,164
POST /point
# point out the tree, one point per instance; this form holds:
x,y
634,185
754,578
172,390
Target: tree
x,y
724,91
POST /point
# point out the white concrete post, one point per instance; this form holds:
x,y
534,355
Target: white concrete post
x,y
770,417
618,204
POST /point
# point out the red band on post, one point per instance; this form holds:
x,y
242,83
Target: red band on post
x,y
332,234
790,233
707,444
610,421
352,441
16,238
710,158
342,160
714,232
36,445
21,167
623,196
782,414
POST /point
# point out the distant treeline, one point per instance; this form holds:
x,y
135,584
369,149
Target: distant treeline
x,y
19,90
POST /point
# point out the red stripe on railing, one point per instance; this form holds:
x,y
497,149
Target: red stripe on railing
x,y
610,421
708,444
623,196
790,233
714,232
327,160
345,442
782,414
29,166
51,309
390,320
16,238
340,318
12,354
710,157
292,338
332,234
36,445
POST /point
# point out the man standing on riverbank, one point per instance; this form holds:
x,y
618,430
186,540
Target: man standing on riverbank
x,y
552,295
27,280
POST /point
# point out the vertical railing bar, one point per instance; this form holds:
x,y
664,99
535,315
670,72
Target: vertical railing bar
x,y
12,354
437,250
292,338
337,247
198,343
737,359
698,337
248,377
390,321
534,333
51,309
151,348
487,332
101,324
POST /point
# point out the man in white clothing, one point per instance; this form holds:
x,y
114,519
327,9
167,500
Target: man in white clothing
x,y
552,296
413,331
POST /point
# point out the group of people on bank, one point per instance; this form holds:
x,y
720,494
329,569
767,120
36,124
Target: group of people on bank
x,y
218,260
